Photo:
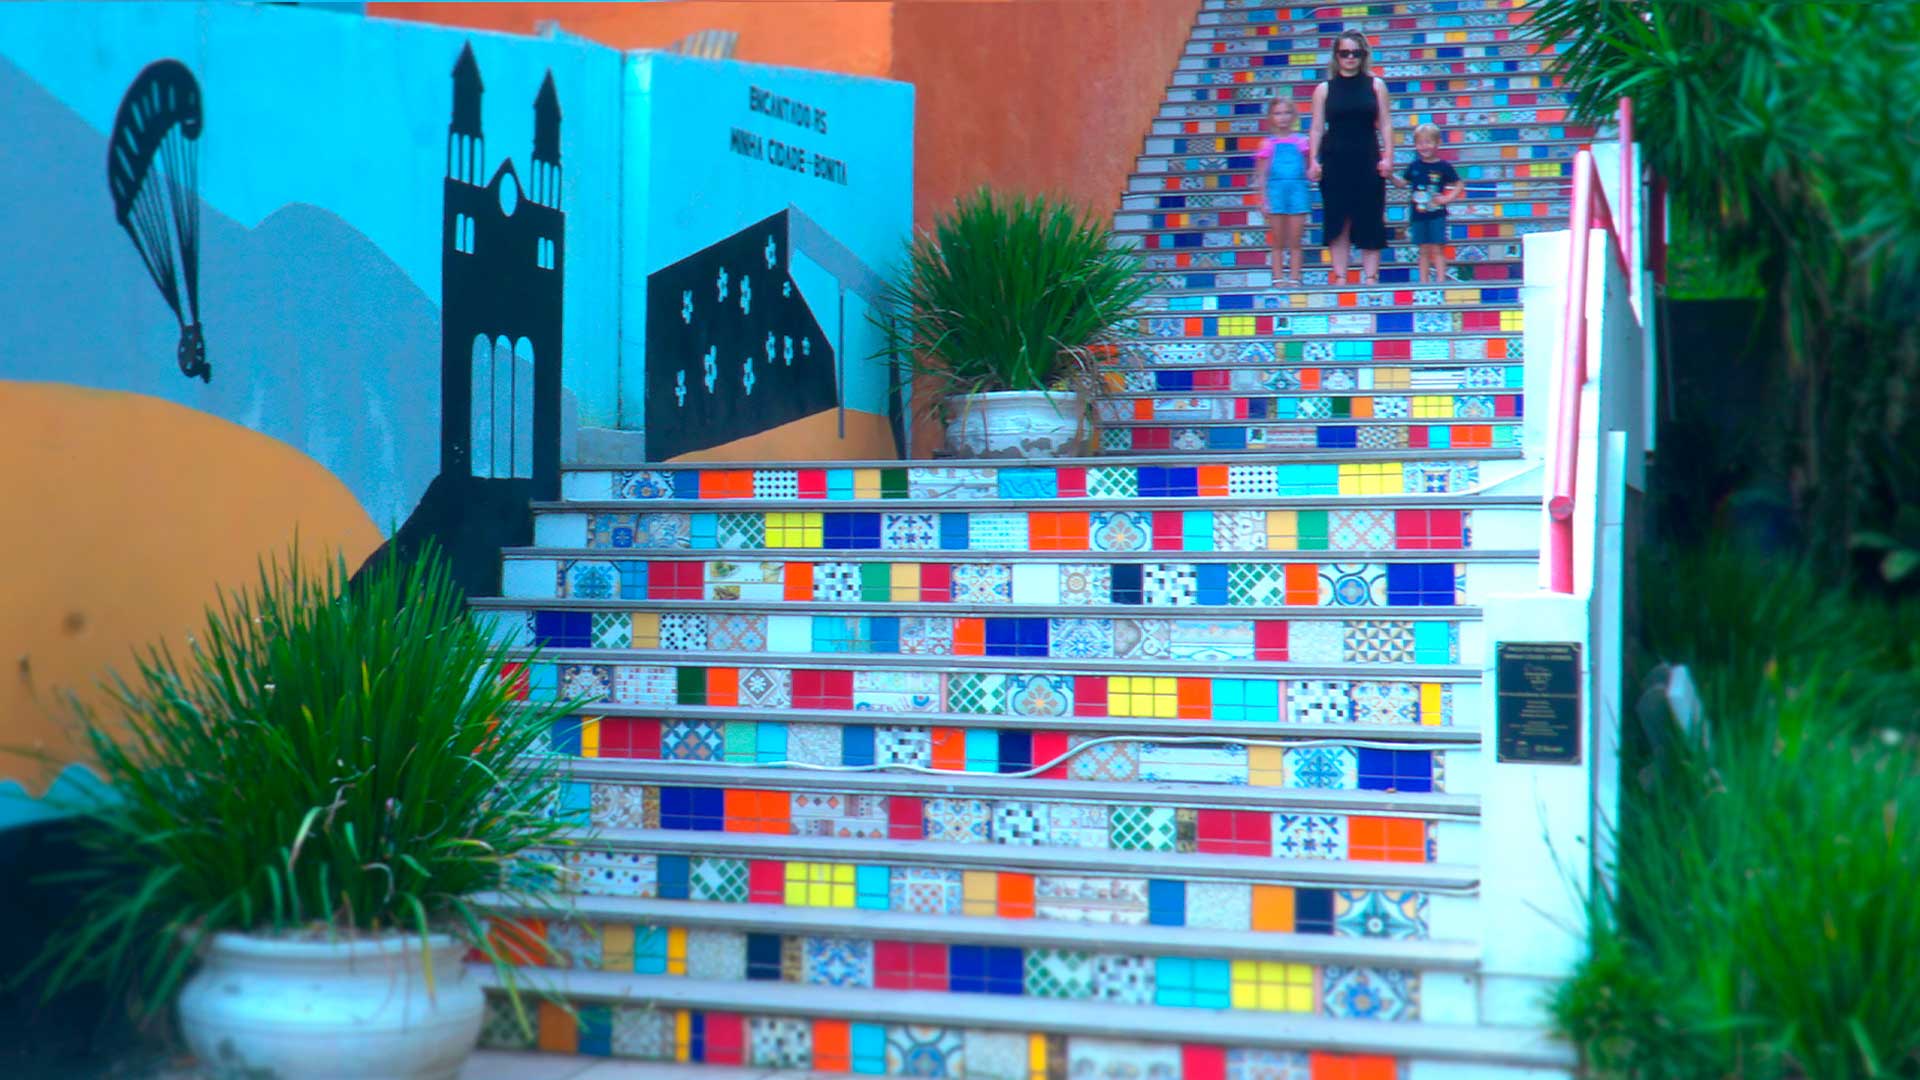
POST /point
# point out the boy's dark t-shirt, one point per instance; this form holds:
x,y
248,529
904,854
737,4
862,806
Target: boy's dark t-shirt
x,y
1427,180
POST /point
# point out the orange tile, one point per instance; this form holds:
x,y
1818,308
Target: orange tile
x,y
1052,531
723,686
1324,1066
741,809
522,942
1360,408
1194,699
1273,909
1143,409
1472,437
1309,378
1348,299
1016,896
949,749
799,582
1195,327
726,484
1497,348
832,1046
1379,839
558,1032
1303,584
1213,481
969,637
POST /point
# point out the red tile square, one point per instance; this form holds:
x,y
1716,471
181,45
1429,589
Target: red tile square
x,y
766,881
1270,639
1506,405
1152,439
822,689
725,1037
936,583
519,684
1203,1062
1167,530
906,818
1213,380
902,965
1089,695
1417,437
813,483
1071,483
1234,832
1048,745
630,737
1393,350
676,580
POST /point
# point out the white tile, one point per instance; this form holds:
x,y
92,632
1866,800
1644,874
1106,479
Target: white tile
x,y
1036,583
789,633
529,579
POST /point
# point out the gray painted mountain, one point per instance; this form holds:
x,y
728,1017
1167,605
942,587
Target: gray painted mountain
x,y
316,338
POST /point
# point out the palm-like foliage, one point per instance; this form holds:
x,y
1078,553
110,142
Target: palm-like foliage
x,y
1790,136
1011,293
332,757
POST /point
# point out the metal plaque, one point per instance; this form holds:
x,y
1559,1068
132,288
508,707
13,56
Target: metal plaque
x,y
1537,689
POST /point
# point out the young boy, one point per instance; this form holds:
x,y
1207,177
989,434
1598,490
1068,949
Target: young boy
x,y
1435,184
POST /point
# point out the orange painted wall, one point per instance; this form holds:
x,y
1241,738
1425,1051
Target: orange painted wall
x,y
132,512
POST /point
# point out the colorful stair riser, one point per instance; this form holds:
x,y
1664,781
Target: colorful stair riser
x,y
712,1037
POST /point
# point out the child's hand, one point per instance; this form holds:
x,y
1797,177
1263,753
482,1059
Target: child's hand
x,y
1313,172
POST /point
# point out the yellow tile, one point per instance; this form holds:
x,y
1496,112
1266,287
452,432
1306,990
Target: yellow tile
x,y
866,483
1392,378
1235,325
1432,406
1245,995
979,892
1430,704
682,1035
616,947
646,630
677,950
1166,698
903,580
1265,766
590,737
1283,530
1463,296
1371,478
1513,321
1036,1057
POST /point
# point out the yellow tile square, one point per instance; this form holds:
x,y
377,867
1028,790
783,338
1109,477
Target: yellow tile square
x,y
1265,766
682,1035
980,885
866,483
1432,406
677,950
590,737
616,947
1370,478
1430,713
1463,296
1283,530
796,895
1235,325
1513,321
1246,995
1036,1057
842,873
1392,378
646,630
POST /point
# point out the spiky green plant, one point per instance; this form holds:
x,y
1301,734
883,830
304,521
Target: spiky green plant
x,y
1789,134
331,757
1010,292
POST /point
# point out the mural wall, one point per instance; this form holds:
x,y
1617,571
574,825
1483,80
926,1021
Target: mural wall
x,y
282,272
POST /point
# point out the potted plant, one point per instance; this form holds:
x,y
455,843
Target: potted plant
x,y
302,810
1005,308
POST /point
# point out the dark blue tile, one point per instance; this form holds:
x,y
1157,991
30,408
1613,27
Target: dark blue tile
x,y
1016,751
595,1031
686,484
1403,584
1152,481
1227,438
675,877
1188,240
763,957
1126,583
1257,408
1337,438
564,736
1313,911
1394,322
1173,380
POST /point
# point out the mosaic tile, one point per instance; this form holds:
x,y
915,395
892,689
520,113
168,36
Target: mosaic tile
x,y
836,961
721,880
838,582
976,694
776,484
578,944
615,873
1084,584
717,954
923,890
1320,702
1077,825
982,583
1379,641
1353,584
1380,914
1143,828
903,746
1315,641
500,1027
1058,973
1220,905
896,691
691,740
1360,529
964,821
1250,1064
1183,763
1123,980
1142,639
1080,639
612,630
909,532
1121,530
1097,900
952,483
766,688
997,532
779,1042
1112,1059
1204,641
1170,584
585,682
814,744
1112,483
741,532
1240,530
1020,824
1309,836
1334,768
926,636
925,1051
737,633
1256,584
584,580
625,806
1109,761
683,632
996,1055
1040,695
1369,993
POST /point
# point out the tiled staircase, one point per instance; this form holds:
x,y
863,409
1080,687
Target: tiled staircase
x,y
1163,763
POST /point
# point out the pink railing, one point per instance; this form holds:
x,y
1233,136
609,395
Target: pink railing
x,y
1590,210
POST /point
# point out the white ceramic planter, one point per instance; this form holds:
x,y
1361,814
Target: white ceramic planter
x,y
1017,424
296,1010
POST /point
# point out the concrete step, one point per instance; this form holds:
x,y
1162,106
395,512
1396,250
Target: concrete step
x,y
785,1027
1316,59
1154,407
1167,195
1217,11
1451,91
1277,380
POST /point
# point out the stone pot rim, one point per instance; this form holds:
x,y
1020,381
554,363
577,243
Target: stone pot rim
x,y
273,948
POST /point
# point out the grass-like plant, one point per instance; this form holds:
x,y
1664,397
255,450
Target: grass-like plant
x,y
1011,292
333,757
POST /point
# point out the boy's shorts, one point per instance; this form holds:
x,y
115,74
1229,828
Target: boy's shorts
x,y
1428,230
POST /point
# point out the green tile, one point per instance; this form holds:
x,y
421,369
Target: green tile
x,y
876,585
741,740
1313,530
893,483
690,686
1341,408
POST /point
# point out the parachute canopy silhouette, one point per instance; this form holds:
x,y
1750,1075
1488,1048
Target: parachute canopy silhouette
x,y
153,172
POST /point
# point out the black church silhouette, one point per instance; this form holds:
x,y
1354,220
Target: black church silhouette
x,y
502,281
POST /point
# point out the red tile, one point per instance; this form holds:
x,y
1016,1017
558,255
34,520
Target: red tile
x,y
1071,483
519,684
1167,530
1089,695
1507,405
1152,438
726,1038
1393,350
1203,1062
630,737
766,881
1048,745
906,818
822,689
676,580
936,583
1270,639
813,483
901,965
1417,437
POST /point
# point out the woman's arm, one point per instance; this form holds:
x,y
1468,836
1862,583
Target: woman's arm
x,y
1385,124
1319,128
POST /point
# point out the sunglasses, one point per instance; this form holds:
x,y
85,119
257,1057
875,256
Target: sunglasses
x,y
1351,54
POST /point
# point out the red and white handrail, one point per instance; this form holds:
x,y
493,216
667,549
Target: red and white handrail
x,y
1590,210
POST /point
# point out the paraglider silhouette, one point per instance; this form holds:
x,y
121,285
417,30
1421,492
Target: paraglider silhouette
x,y
153,172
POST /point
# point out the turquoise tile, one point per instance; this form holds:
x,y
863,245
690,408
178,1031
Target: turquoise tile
x,y
704,530
839,483
1196,530
871,885
869,1045
1300,479
770,743
983,750
1439,437
1433,643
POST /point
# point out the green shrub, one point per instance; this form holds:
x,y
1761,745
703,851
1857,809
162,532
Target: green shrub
x,y
332,757
1011,293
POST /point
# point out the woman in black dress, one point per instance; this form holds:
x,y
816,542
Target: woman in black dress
x,y
1352,155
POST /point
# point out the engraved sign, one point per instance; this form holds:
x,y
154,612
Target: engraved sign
x,y
1537,690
